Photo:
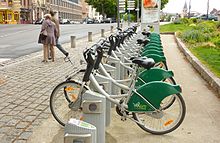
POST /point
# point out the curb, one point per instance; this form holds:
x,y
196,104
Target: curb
x,y
205,73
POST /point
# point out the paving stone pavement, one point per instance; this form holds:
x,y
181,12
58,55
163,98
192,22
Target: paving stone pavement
x,y
25,86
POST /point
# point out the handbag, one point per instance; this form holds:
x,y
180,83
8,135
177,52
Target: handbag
x,y
41,38
44,32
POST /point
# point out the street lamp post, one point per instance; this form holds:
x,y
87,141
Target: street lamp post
x,y
189,8
118,14
207,16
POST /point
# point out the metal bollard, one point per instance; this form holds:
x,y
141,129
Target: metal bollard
x,y
102,32
73,41
112,28
90,36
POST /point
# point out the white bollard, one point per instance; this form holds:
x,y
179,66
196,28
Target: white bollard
x,y
90,36
102,32
73,41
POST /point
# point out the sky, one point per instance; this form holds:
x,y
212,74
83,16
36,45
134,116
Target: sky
x,y
176,6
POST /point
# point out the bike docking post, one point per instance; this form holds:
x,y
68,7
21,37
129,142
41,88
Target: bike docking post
x,y
106,84
77,131
111,70
93,105
115,63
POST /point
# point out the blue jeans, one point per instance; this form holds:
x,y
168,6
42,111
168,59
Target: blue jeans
x,y
58,45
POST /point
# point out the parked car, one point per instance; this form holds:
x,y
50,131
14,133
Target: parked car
x,y
210,17
88,21
107,20
96,21
39,21
65,21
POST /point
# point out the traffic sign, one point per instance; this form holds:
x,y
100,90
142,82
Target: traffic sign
x,y
131,5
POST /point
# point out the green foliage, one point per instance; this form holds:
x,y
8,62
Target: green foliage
x,y
177,21
193,20
132,17
107,7
203,38
202,32
218,25
184,20
209,56
173,27
216,40
194,36
206,26
163,3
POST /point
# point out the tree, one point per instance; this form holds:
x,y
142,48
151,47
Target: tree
x,y
105,7
109,7
163,3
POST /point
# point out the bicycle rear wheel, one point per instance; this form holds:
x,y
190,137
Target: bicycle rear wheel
x,y
62,95
163,122
168,101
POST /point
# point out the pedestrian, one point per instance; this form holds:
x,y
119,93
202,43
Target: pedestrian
x,y
58,45
48,28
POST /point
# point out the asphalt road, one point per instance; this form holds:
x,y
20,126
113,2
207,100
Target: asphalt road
x,y
19,40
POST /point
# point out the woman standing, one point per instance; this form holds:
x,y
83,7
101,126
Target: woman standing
x,y
48,27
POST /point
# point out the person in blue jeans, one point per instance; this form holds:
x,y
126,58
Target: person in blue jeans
x,y
58,45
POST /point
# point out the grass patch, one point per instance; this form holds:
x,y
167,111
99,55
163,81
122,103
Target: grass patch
x,y
173,27
202,38
209,56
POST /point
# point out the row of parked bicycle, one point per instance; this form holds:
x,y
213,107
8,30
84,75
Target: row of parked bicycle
x,y
143,88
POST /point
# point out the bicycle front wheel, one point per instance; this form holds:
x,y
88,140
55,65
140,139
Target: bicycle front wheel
x,y
62,95
165,121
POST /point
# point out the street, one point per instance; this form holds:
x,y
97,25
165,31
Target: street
x,y
19,40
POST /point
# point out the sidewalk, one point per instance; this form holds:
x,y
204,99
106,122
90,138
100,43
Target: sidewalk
x,y
26,84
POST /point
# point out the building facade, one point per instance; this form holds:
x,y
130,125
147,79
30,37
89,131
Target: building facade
x,y
85,9
28,11
9,11
67,9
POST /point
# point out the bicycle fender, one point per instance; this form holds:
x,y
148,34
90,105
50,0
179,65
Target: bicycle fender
x,y
153,51
154,44
151,93
153,74
151,48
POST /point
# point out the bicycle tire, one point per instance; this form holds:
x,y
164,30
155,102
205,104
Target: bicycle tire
x,y
171,99
170,125
61,96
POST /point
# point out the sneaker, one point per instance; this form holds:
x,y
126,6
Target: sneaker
x,y
67,54
44,61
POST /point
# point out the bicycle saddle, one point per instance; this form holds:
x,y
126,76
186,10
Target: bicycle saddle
x,y
142,41
146,33
144,62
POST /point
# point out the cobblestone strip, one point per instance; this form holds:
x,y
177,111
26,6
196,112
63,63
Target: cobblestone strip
x,y
24,94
